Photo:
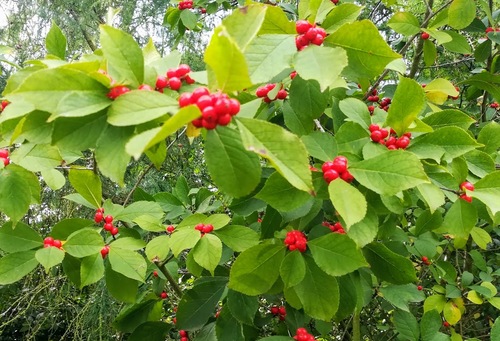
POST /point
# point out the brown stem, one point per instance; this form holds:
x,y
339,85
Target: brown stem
x,y
170,279
129,195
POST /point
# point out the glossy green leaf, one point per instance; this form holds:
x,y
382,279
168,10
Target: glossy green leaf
x,y
15,266
315,62
227,327
87,184
64,228
452,313
284,150
432,195
91,270
318,292
150,330
128,243
183,239
479,163
480,237
56,42
139,106
490,137
120,287
389,266
402,295
298,124
351,138
53,178
407,103
49,257
366,230
238,238
404,23
407,325
439,90
149,308
356,111
128,263
78,133
293,269
241,171
486,81
37,157
256,269
208,251
461,13
488,191
15,179
280,194
158,248
306,100
198,304
459,44
242,307
336,254
320,146
244,24
19,237
124,56
380,175
348,201
430,52
367,51
449,117
342,14
276,22
189,19
83,243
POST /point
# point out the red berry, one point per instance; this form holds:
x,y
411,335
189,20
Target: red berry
x,y
489,29
171,73
145,87
197,93
224,120
311,34
185,99
57,243
302,26
346,176
282,94
330,175
466,197
3,105
293,74
117,91
208,228
318,40
189,80
170,228
419,288
174,83
104,251
371,109
114,231
4,153
376,136
261,92
183,333
155,273
98,217
182,70
163,295
48,241
282,310
425,259
234,106
108,219
425,35
301,41
339,166
204,101
108,226
466,185
184,338
274,310
6,161
403,142
446,324
373,127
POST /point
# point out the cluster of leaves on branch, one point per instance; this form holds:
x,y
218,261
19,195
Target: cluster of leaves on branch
x,y
353,225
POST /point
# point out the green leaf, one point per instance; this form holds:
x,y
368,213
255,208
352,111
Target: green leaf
x,y
158,248
128,243
479,163
243,25
242,307
298,124
488,191
78,133
367,51
293,269
53,178
49,257
62,92
404,23
183,239
432,195
461,13
83,243
406,325
87,184
345,13
18,188
18,238
280,194
150,330
407,103
238,238
430,53
315,63
452,313
241,171
348,201
276,22
139,209
56,41
269,54
110,152
402,295
430,325
227,327
486,81
128,263
189,19
37,157
351,138
449,117
366,230
207,252
318,292
284,150
459,44
15,266
490,137
320,145
380,175
356,111
64,228
256,269
306,100
459,220
389,266
139,106
226,62
124,56
438,91
336,254
198,304
92,269
120,287
480,237
132,316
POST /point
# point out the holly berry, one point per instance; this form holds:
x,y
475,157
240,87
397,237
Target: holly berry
x,y
302,26
4,153
57,243
161,82
296,240
185,4
6,161
425,36
104,251
275,310
114,231
335,1
466,185
420,288
308,34
263,91
174,83
170,229
163,295
117,91
293,74
108,227
108,219
425,259
183,333
184,338
494,105
392,142
371,109
3,105
145,87
466,197
303,335
155,273
446,324
48,241
335,169
98,217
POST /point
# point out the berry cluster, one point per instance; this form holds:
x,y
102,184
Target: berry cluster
x,y
374,96
426,260
384,103
184,335
335,169
174,78
337,227
279,311
51,242
117,91
105,251
494,105
108,221
204,228
216,109
4,156
392,142
425,36
303,335
3,105
263,92
466,185
185,4
296,240
170,229
308,34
